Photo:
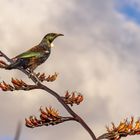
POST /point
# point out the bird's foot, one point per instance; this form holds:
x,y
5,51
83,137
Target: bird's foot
x,y
30,75
34,75
37,82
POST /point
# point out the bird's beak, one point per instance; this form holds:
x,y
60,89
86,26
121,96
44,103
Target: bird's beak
x,y
59,35
56,37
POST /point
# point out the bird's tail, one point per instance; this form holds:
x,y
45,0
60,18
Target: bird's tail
x,y
9,67
2,64
13,65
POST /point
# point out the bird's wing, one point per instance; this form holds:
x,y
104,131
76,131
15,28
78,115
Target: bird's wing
x,y
29,54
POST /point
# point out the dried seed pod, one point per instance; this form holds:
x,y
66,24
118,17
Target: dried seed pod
x,y
50,78
28,123
48,116
16,85
73,98
124,129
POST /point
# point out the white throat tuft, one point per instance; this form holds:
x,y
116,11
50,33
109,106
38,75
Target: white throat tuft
x,y
52,45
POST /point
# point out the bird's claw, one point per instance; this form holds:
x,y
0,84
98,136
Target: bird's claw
x,y
37,82
34,74
30,75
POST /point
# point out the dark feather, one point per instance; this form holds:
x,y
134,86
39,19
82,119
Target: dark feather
x,y
18,63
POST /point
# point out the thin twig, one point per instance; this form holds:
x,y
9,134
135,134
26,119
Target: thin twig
x,y
33,122
56,95
18,132
77,118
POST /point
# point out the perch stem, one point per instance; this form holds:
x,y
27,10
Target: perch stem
x,y
56,95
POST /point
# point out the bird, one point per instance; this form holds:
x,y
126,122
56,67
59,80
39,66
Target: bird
x,y
32,58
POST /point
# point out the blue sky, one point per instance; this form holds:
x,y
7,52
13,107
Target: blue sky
x,y
5,138
130,11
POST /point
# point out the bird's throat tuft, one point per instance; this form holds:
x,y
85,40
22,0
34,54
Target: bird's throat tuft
x,y
52,45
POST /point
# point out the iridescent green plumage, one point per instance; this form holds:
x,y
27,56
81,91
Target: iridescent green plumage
x,y
35,56
29,54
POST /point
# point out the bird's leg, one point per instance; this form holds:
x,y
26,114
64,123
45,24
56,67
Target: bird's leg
x,y
32,73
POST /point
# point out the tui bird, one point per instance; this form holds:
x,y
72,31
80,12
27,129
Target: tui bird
x,y
35,56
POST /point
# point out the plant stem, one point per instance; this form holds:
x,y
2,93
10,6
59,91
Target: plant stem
x,y
18,132
77,118
56,95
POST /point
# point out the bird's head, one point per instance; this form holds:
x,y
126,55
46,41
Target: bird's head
x,y
51,36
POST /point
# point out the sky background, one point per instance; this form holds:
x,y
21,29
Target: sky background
x,y
98,56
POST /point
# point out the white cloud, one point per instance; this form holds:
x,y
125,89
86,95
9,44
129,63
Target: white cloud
x,y
98,56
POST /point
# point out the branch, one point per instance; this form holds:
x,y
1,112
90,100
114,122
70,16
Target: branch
x,y
56,95
17,85
48,116
33,122
77,118
69,98
18,132
124,129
